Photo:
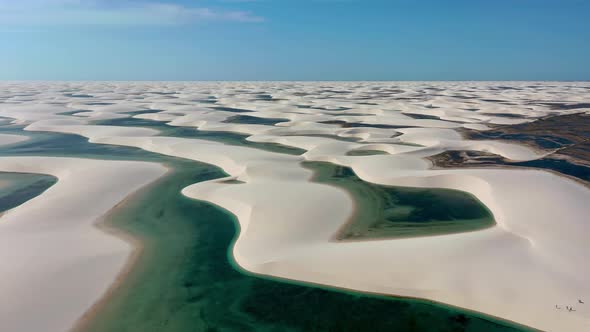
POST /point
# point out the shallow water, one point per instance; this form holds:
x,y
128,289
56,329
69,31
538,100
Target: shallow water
x,y
359,153
18,188
247,119
190,132
394,211
231,109
185,280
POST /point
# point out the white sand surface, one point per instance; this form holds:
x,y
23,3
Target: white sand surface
x,y
7,139
533,259
54,263
519,270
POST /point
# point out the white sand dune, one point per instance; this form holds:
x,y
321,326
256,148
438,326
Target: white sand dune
x,y
54,263
532,260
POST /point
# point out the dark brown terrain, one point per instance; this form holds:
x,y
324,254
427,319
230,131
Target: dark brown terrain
x,y
565,139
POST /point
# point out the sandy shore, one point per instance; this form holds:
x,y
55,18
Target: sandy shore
x,y
136,250
50,248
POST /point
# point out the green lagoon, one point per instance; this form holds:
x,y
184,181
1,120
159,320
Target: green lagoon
x,y
358,153
190,132
186,280
17,188
396,212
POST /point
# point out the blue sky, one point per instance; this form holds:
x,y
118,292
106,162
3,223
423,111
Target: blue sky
x,y
294,40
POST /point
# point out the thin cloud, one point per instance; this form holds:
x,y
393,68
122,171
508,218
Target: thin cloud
x,y
96,12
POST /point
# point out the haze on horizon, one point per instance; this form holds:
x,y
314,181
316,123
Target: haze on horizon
x,y
294,40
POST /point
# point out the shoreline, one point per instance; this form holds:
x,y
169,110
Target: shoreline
x,y
335,238
99,257
386,296
137,248
137,245
350,291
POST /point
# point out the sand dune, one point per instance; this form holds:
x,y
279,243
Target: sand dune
x,y
54,263
533,259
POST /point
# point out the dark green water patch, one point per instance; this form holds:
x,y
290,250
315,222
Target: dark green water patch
x,y
365,152
99,103
71,112
18,188
133,122
327,109
354,114
334,122
264,97
51,144
427,117
70,145
231,109
233,181
395,212
162,93
206,101
331,109
506,115
345,124
247,119
374,125
225,137
336,137
422,116
73,95
141,112
495,101
232,139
